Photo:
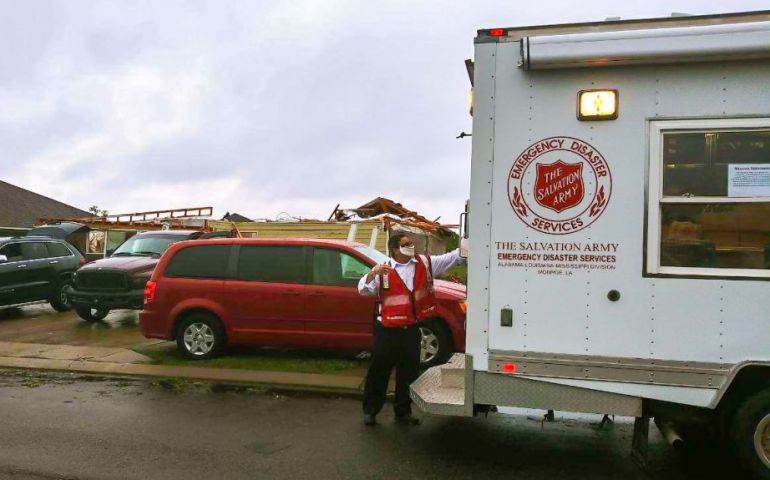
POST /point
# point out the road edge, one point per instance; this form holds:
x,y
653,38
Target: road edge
x,y
337,385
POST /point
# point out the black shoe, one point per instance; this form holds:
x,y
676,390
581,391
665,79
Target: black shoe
x,y
408,420
369,420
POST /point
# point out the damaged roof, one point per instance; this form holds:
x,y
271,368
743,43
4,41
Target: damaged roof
x,y
384,207
376,207
236,217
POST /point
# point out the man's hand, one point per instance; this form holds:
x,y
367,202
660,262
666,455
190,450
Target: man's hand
x,y
382,268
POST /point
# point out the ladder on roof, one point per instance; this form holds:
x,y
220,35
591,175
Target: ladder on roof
x,y
197,212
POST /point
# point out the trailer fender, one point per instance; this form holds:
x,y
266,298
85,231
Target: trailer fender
x,y
744,380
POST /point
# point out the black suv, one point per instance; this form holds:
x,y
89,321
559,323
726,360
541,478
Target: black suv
x,y
117,282
37,268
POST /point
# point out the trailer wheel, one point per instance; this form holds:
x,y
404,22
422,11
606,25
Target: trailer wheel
x,y
749,434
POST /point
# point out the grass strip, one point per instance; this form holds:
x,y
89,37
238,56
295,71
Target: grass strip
x,y
261,359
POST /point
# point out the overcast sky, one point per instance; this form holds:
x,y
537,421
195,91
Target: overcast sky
x,y
259,107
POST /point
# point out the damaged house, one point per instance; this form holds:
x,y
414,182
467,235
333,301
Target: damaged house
x,y
370,224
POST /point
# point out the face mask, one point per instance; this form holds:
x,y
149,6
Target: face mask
x,y
408,251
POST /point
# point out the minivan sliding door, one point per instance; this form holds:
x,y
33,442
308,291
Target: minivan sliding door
x,y
266,297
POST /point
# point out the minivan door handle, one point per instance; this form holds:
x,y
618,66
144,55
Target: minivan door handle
x,y
22,266
53,262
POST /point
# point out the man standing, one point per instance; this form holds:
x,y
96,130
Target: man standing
x,y
404,285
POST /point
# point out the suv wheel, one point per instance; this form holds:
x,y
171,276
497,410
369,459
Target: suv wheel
x,y
92,314
435,345
60,302
200,336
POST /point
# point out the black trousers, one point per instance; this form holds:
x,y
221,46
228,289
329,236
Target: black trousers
x,y
393,347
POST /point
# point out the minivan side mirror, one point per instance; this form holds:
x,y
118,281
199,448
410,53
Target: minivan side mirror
x,y
3,259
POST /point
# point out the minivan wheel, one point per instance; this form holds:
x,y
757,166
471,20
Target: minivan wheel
x,y
92,314
435,345
60,302
200,336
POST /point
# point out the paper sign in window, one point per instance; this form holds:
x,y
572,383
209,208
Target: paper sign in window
x,y
748,180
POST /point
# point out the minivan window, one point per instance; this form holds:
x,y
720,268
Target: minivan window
x,y
200,261
332,267
271,263
375,255
57,250
33,250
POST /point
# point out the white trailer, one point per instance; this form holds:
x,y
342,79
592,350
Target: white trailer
x,y
620,250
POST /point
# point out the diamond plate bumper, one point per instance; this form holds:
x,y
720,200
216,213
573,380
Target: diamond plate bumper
x,y
441,389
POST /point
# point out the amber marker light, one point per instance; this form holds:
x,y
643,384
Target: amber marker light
x,y
597,105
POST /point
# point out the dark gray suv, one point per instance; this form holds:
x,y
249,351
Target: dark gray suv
x,y
34,269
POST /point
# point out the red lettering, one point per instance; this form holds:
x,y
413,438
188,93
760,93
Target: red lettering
x,y
558,227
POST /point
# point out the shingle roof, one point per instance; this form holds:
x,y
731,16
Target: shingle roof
x,y
20,208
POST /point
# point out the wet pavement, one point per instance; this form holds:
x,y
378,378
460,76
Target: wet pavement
x,y
40,323
79,427
74,427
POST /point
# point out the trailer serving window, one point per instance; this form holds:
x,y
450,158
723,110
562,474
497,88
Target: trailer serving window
x,y
709,198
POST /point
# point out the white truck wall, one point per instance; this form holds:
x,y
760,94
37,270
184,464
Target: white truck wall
x,y
694,320
480,214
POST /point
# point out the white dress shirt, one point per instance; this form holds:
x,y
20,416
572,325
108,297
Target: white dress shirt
x,y
440,264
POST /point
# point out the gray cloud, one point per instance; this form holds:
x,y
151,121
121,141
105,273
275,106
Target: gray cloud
x,y
256,107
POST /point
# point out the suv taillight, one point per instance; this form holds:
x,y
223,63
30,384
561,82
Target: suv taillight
x,y
149,291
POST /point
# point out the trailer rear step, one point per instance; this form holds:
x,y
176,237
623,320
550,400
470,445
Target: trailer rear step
x,y
441,389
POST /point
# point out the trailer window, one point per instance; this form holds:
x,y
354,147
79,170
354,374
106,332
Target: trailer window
x,y
709,198
697,164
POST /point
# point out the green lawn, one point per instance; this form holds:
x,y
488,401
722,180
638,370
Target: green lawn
x,y
262,359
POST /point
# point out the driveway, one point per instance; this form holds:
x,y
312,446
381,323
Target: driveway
x,y
38,331
41,324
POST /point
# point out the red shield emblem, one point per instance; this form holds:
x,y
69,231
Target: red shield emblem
x,y
559,185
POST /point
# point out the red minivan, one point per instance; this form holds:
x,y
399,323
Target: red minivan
x,y
295,293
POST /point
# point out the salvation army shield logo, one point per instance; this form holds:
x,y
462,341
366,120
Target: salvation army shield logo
x,y
559,185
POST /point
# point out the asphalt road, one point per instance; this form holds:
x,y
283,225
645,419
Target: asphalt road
x,y
68,427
